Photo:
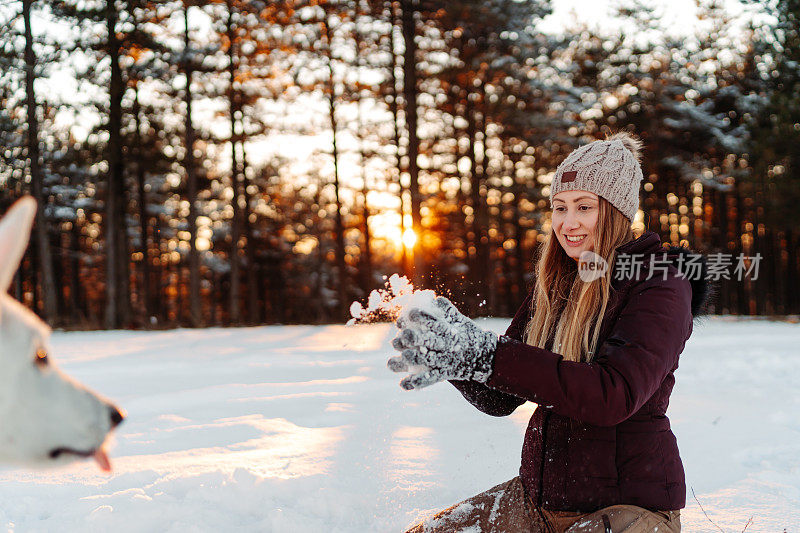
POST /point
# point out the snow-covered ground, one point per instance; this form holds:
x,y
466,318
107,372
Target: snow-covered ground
x,y
302,428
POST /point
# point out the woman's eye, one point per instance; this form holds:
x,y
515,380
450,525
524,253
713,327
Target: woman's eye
x,y
41,358
585,207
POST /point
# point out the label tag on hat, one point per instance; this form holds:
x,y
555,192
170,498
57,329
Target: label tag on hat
x,y
569,176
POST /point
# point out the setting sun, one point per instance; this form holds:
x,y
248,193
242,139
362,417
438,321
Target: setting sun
x,y
409,238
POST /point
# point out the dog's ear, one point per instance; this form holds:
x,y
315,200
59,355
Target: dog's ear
x,y
15,230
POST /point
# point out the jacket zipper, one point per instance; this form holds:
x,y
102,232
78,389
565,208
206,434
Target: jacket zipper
x,y
544,457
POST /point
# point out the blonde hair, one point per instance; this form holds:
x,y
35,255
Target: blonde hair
x,y
565,306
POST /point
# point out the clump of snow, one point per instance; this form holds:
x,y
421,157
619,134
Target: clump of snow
x,y
388,304
396,300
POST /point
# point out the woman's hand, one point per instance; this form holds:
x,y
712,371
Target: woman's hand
x,y
442,345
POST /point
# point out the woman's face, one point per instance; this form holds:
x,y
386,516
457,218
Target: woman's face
x,y
575,215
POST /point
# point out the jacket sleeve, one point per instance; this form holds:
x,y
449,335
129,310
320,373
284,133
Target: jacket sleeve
x,y
490,401
631,364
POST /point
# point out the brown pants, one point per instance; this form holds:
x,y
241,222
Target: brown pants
x,y
505,509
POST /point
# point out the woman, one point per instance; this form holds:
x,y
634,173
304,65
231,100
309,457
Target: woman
x,y
598,453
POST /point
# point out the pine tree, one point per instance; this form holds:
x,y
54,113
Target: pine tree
x,y
37,178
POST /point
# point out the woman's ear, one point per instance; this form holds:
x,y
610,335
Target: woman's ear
x,y
15,231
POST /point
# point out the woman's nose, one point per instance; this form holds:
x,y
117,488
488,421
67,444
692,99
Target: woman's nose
x,y
570,221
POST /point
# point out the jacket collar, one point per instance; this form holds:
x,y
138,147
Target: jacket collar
x,y
648,242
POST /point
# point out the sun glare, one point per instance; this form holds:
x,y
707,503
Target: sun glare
x,y
409,238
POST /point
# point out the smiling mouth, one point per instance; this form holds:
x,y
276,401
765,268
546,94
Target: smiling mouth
x,y
98,454
574,239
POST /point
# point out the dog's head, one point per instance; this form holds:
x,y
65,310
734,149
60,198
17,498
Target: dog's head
x,y
45,417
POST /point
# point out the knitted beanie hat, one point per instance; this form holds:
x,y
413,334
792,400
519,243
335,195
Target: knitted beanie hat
x,y
607,168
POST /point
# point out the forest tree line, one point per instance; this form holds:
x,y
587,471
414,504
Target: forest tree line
x,y
174,190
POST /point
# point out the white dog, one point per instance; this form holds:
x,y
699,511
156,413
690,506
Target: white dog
x,y
45,417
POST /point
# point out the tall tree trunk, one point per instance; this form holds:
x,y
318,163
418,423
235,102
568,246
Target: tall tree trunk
x,y
519,233
724,213
32,267
144,249
19,290
277,286
115,174
236,222
59,272
253,269
123,257
213,310
366,258
195,317
773,270
366,261
742,296
410,97
161,274
485,250
405,268
341,266
317,289
76,300
48,283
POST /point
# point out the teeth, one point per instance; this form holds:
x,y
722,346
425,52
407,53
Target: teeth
x,y
574,239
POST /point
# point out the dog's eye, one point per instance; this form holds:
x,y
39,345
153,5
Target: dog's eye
x,y
41,358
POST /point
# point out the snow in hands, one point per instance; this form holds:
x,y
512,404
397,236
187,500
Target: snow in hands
x,y
436,342
440,345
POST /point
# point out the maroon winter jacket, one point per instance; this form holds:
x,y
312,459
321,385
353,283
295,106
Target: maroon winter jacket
x,y
600,435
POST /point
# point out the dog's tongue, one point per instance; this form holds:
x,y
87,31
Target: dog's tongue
x,y
102,459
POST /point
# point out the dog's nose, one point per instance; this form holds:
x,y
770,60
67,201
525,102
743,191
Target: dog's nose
x,y
116,416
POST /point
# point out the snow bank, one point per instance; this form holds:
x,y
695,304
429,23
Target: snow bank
x,y
303,429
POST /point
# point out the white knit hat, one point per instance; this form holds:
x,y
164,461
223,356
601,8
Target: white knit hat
x,y
607,168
